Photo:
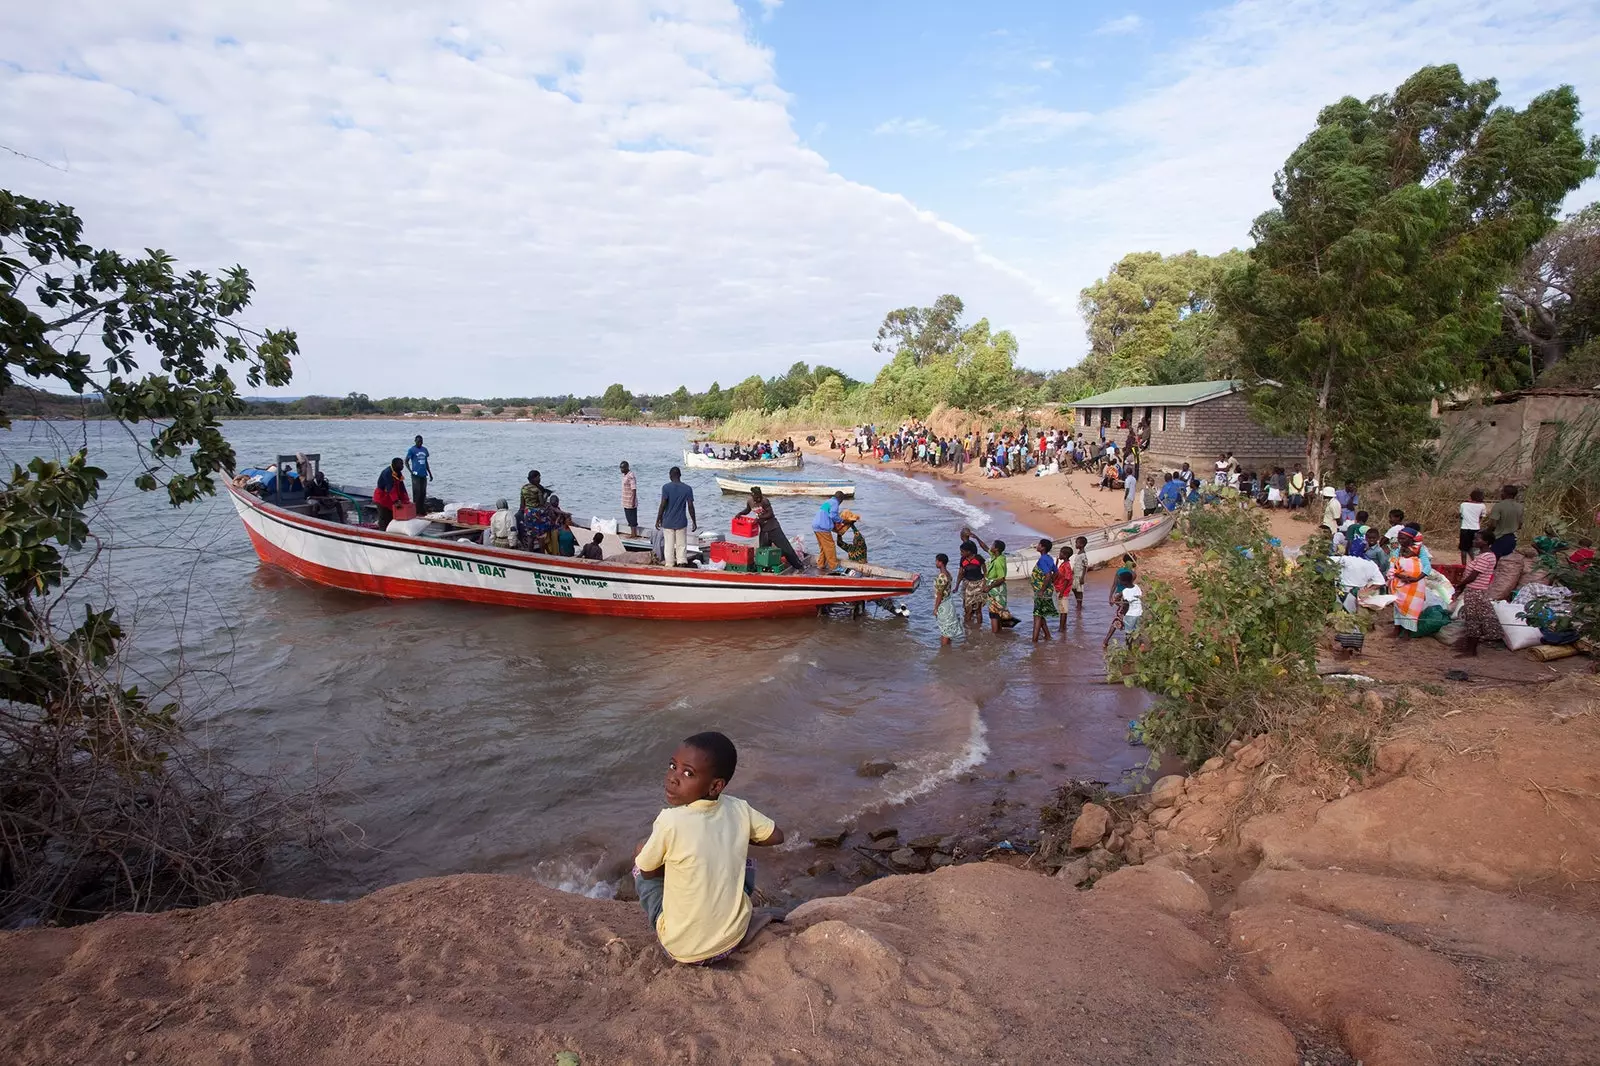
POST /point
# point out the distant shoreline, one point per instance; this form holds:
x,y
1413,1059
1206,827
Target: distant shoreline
x,y
386,418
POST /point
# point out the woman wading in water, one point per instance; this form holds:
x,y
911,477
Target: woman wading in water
x,y
944,602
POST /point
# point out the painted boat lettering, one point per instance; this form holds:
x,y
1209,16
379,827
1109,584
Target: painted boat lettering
x,y
466,567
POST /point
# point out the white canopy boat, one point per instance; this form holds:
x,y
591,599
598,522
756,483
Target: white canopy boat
x,y
773,486
702,461
1106,545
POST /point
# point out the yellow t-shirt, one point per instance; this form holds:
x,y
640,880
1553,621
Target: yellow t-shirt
x,y
703,845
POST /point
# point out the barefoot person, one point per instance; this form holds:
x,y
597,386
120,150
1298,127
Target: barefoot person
x,y
994,587
692,874
675,518
1080,570
1065,574
1042,578
630,499
421,474
971,583
944,601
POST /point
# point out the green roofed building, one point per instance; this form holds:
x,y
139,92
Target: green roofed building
x,y
1191,423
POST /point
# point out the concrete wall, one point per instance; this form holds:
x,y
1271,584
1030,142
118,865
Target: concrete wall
x,y
1197,435
1502,439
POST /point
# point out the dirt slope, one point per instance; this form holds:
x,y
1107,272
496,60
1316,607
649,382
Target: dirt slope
x,y
1441,911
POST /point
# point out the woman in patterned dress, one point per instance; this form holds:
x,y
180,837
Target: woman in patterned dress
x,y
944,601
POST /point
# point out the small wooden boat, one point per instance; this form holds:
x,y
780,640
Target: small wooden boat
x,y
785,487
701,461
359,558
1106,545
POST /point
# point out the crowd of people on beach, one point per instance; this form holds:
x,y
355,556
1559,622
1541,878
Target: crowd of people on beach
x,y
1501,589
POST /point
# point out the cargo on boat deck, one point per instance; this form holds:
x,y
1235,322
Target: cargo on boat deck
x,y
733,554
769,560
745,526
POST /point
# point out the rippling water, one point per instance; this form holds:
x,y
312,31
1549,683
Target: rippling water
x,y
485,739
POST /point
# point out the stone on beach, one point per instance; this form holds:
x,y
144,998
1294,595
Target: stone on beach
x,y
830,839
875,768
1091,826
881,832
1167,791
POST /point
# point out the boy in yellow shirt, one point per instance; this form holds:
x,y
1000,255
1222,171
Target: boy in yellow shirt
x,y
691,874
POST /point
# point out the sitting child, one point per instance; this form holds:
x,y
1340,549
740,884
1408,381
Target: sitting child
x,y
592,550
691,874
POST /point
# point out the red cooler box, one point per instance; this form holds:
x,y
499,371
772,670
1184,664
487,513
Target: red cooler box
x,y
745,526
733,554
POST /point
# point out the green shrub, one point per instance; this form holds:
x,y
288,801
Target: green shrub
x,y
1250,647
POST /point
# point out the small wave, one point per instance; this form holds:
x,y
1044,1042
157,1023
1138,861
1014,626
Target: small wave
x,y
975,516
578,878
923,775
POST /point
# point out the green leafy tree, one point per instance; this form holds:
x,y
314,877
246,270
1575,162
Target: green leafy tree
x,y
829,395
616,398
569,405
923,333
714,405
1152,320
452,408
749,395
104,802
1373,286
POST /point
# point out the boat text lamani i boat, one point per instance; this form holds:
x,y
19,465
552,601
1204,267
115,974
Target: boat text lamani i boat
x,y
443,567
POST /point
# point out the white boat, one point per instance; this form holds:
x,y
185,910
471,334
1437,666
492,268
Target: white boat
x,y
701,461
1106,545
402,566
785,487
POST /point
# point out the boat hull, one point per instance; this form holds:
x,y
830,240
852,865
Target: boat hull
x,y
1106,545
697,461
776,487
358,559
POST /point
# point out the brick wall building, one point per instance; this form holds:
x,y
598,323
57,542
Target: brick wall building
x,y
1191,423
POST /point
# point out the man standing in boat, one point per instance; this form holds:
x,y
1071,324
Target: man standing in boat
x,y
417,461
771,533
822,526
630,499
675,517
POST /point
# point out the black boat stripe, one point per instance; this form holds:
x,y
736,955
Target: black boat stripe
x,y
561,571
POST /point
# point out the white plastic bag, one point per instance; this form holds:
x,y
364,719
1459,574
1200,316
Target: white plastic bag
x,y
1514,625
452,509
608,526
409,526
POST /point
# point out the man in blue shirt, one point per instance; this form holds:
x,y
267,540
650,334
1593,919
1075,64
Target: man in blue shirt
x,y
822,528
675,517
417,463
1171,494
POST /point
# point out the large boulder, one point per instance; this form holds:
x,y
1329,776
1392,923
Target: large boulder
x,y
1091,826
1167,791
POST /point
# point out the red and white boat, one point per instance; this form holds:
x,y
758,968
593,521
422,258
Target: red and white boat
x,y
362,559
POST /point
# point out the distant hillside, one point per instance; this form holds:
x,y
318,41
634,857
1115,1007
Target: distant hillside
x,y
20,401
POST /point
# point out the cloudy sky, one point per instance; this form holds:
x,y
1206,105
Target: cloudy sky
x,y
513,197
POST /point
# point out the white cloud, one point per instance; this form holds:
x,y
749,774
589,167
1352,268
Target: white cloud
x,y
1030,124
482,197
1116,26
908,127
770,7
1189,163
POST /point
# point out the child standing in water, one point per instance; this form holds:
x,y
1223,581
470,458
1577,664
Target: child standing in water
x,y
692,874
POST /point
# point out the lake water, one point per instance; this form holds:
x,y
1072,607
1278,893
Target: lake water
x,y
476,738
